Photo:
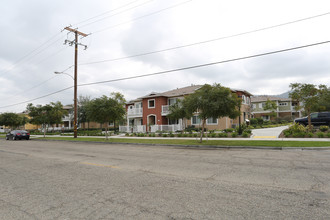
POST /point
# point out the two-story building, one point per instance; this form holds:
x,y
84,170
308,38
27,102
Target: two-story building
x,y
149,113
285,108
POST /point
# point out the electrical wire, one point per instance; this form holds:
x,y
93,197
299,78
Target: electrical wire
x,y
141,17
101,19
174,70
96,16
32,53
206,41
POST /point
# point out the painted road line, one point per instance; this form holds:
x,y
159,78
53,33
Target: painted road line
x,y
100,165
264,137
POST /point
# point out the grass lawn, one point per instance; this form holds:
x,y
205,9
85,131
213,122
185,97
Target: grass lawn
x,y
205,142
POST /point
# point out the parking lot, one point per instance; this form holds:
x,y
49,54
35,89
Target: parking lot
x,y
68,180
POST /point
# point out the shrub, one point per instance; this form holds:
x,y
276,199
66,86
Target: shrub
x,y
222,135
195,135
213,135
328,135
253,121
324,128
310,134
179,135
245,134
234,134
287,133
260,121
164,135
229,130
320,134
297,128
185,135
172,135
299,134
127,134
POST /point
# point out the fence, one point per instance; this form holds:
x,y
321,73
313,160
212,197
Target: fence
x,y
152,128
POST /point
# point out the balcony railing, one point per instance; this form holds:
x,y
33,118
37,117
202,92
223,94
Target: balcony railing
x,y
135,112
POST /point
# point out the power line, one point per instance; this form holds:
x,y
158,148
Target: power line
x,y
175,70
206,41
116,13
141,17
88,19
33,51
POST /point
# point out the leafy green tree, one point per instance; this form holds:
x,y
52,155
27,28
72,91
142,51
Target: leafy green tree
x,y
176,111
308,96
106,109
83,102
271,106
12,120
324,102
210,102
46,115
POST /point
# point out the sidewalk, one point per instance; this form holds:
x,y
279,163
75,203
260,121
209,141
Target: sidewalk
x,y
268,133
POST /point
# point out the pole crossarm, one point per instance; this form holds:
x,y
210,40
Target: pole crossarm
x,y
76,31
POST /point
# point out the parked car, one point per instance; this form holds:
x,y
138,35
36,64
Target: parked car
x,y
317,119
18,135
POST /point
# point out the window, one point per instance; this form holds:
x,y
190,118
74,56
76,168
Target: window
x,y
195,120
243,99
314,115
173,121
151,103
254,106
212,121
260,105
171,101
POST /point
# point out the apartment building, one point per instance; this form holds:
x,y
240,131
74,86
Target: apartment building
x,y
285,108
149,113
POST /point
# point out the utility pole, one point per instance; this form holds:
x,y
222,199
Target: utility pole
x,y
75,42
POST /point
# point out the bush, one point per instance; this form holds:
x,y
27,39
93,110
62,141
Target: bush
x,y
127,134
180,135
164,135
246,134
299,134
310,134
324,128
328,135
297,128
195,135
253,121
213,135
320,134
229,130
260,121
234,134
222,135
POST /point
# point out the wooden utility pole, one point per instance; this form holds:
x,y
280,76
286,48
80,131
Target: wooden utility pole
x,y
75,42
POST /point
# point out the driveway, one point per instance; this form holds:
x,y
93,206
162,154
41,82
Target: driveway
x,y
267,133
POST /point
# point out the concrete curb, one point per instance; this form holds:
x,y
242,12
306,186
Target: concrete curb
x,y
200,146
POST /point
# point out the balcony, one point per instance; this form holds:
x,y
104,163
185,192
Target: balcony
x,y
165,110
134,112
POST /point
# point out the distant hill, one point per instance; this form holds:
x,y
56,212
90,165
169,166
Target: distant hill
x,y
284,95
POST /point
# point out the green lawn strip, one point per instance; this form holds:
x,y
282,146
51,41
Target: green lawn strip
x,y
205,142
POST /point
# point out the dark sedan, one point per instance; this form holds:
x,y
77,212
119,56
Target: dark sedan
x,y
18,135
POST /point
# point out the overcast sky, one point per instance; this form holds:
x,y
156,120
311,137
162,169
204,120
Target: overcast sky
x,y
32,49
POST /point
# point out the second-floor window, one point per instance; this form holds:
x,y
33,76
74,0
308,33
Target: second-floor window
x,y
151,103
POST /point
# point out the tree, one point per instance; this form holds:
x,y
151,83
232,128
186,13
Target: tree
x,y
12,120
308,96
324,101
210,102
106,109
271,106
176,110
83,102
46,115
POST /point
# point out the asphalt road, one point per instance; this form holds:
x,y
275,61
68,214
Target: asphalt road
x,y
66,180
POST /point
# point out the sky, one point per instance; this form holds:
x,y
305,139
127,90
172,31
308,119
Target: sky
x,y
129,38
